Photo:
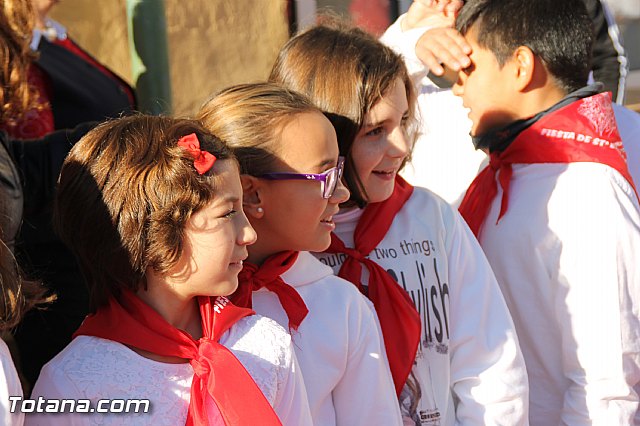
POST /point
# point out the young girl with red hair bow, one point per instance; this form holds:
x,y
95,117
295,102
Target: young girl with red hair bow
x,y
152,208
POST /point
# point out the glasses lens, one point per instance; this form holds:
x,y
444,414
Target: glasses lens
x,y
330,183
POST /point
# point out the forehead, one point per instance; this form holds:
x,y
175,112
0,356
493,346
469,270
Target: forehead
x,y
226,176
478,53
393,102
306,140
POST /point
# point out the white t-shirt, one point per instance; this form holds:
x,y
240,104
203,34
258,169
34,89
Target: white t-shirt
x,y
94,368
566,257
9,386
339,347
469,366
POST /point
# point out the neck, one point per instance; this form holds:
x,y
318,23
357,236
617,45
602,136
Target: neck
x,y
538,100
182,313
266,245
258,254
40,21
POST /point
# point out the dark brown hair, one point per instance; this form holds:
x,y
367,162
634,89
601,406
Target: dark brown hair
x,y
560,33
17,295
345,72
126,192
16,29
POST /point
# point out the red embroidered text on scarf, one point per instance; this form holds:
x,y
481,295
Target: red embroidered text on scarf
x,y
583,131
267,275
398,316
217,372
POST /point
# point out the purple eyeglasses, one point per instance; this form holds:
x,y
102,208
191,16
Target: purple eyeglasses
x,y
328,180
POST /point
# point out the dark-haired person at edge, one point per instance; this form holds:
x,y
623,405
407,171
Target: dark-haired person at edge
x,y
28,173
448,169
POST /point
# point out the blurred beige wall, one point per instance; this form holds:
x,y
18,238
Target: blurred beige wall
x,y
212,43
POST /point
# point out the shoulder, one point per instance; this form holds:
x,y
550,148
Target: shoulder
x,y
9,386
79,370
590,183
427,209
264,349
9,380
260,336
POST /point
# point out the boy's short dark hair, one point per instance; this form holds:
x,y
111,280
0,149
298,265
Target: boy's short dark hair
x,y
125,194
559,32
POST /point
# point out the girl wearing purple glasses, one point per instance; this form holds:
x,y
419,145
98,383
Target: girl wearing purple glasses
x,y
290,172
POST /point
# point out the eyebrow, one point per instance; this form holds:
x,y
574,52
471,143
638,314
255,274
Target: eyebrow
x,y
231,199
325,163
380,123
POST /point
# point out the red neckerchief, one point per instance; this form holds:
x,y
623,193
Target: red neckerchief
x,y
253,278
217,372
398,316
583,131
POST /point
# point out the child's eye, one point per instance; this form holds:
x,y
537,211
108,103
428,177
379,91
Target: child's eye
x,y
375,131
405,119
230,214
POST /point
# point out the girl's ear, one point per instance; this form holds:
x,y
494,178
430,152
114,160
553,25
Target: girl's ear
x,y
251,201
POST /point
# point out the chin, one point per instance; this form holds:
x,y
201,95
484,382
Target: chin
x,y
381,194
321,244
227,289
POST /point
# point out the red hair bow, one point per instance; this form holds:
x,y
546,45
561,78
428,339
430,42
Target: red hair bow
x,y
202,160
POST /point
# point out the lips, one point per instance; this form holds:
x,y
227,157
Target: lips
x,y
327,220
239,262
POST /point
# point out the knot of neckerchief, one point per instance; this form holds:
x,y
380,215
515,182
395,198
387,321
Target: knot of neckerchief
x,y
580,131
398,316
268,275
218,374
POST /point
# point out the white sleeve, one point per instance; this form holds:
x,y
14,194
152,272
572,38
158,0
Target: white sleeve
x,y
291,403
365,394
9,387
597,301
404,44
488,373
54,386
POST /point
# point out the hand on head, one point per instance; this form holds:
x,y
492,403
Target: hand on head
x,y
441,45
427,13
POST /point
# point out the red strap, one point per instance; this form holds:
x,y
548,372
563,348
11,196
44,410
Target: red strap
x,y
217,372
398,316
253,278
583,131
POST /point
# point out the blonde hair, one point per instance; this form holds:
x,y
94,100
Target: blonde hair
x,y
249,118
16,29
345,72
